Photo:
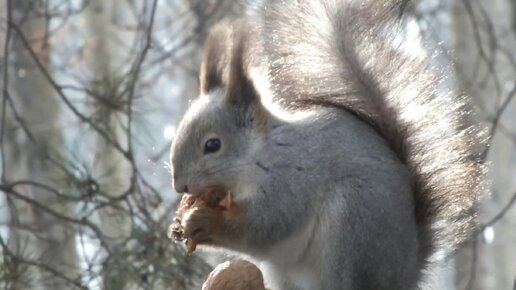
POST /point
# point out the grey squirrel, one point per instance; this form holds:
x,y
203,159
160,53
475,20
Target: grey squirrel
x,y
347,164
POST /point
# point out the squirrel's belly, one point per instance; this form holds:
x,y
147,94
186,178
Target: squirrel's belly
x,y
299,277
292,263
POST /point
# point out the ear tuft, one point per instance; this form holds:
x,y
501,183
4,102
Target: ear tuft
x,y
241,93
228,57
240,89
213,72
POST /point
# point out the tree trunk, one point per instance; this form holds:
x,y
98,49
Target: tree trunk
x,y
112,170
38,237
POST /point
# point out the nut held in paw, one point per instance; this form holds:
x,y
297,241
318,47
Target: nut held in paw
x,y
212,197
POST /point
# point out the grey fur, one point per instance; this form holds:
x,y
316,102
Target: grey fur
x,y
367,169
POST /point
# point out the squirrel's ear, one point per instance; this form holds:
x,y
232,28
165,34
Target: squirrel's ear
x,y
241,93
213,73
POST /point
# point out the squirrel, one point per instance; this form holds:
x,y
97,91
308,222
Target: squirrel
x,y
348,164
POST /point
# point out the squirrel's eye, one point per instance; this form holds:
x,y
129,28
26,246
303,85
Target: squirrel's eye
x,y
212,146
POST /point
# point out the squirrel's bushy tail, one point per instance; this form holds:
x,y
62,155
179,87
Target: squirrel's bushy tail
x,y
338,53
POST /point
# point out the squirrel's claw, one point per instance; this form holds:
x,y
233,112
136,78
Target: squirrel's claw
x,y
175,230
226,202
191,245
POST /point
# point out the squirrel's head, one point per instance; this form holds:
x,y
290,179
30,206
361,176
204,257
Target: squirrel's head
x,y
215,137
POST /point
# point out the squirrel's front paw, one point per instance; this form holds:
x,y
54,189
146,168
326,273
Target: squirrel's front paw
x,y
209,219
200,224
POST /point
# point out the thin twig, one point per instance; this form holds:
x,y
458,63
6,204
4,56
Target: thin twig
x,y
501,213
5,94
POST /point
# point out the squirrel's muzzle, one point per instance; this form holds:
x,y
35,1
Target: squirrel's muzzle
x,y
179,185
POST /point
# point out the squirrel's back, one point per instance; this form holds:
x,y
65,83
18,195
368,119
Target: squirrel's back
x,y
338,54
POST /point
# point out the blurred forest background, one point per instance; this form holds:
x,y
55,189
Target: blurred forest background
x,y
91,91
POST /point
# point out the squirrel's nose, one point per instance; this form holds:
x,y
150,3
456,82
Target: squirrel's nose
x,y
179,185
